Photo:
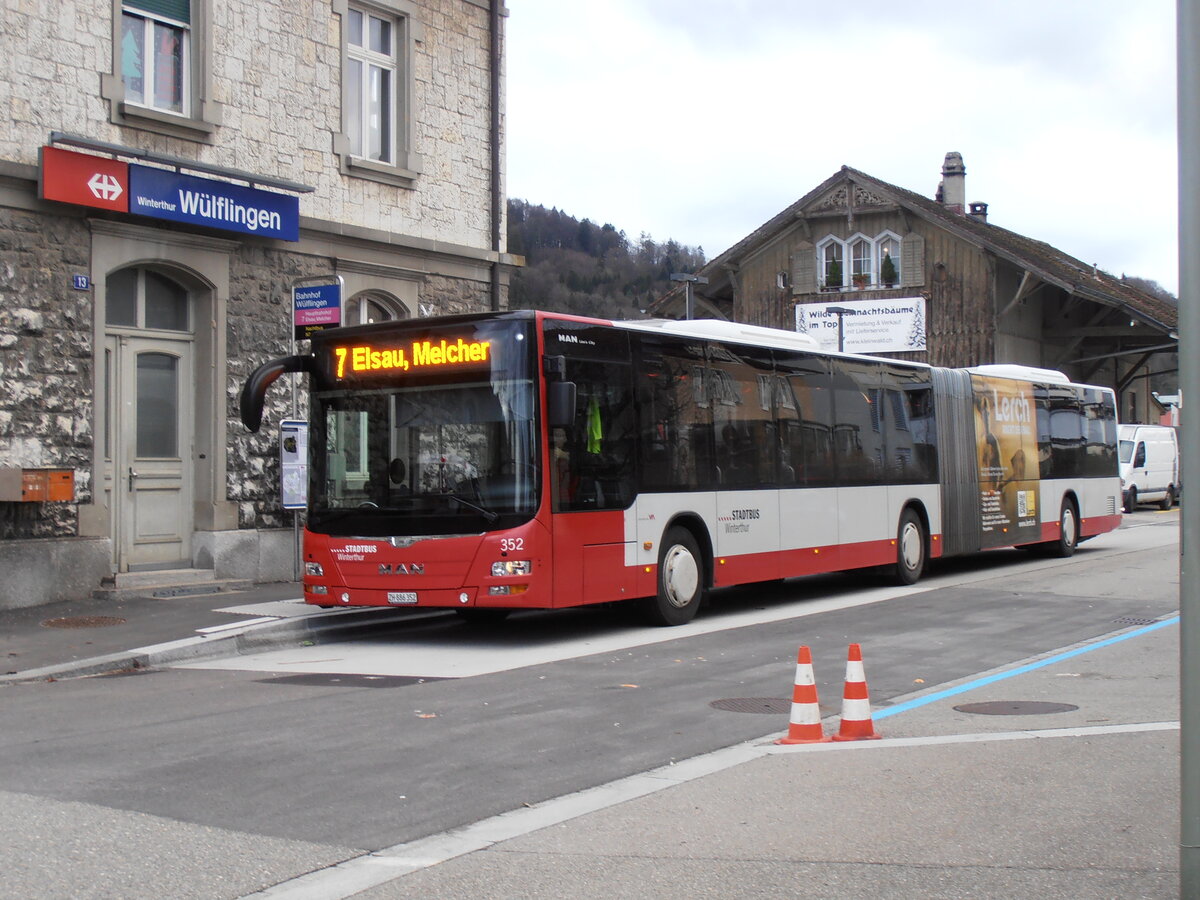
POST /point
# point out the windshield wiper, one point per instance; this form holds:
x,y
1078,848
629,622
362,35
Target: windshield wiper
x,y
488,515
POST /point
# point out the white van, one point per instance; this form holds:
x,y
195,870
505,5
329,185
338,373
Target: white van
x,y
1149,457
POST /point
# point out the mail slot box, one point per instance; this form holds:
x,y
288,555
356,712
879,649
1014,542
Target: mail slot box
x,y
37,485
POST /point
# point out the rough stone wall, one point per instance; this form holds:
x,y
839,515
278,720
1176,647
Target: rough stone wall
x,y
45,363
442,296
277,75
258,330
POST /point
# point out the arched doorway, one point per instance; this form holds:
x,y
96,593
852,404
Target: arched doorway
x,y
148,419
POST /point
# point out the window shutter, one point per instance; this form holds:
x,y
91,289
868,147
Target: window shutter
x,y
179,10
804,269
912,260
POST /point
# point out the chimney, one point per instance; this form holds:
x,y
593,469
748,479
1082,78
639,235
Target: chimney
x,y
979,211
954,183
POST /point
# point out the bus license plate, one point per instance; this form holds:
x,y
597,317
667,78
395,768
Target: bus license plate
x,y
402,598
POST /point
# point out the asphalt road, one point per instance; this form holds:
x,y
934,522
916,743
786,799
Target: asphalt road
x,y
250,776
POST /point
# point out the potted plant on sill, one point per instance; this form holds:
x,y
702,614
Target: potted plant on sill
x,y
833,276
887,271
861,280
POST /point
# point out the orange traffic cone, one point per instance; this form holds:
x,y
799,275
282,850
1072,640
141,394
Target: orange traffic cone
x,y
804,725
856,706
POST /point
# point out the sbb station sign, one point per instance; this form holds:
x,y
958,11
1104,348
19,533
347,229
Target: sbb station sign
x,y
103,183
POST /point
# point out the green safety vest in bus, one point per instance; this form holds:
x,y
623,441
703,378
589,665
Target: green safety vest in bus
x,y
595,430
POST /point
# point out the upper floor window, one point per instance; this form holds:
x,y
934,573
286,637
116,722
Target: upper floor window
x,y
378,37
161,76
872,261
889,260
370,85
830,256
155,36
861,258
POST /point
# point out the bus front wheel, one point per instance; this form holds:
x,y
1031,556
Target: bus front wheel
x,y
910,548
1068,531
680,580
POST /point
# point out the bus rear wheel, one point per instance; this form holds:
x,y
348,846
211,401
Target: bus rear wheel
x,y
910,548
680,580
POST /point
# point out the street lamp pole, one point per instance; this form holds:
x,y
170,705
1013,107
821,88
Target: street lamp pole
x,y
841,312
688,281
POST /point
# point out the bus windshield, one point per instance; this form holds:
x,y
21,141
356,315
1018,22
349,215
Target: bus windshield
x,y
450,452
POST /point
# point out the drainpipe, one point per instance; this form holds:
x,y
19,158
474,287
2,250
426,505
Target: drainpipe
x,y
494,136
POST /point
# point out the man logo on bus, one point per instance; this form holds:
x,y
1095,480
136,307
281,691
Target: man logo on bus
x,y
402,569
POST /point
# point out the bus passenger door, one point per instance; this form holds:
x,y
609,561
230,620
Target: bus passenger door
x,y
592,483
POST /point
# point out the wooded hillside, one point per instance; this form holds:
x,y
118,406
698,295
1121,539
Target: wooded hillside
x,y
582,268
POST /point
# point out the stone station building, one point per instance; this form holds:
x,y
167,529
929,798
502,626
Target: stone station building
x,y
370,133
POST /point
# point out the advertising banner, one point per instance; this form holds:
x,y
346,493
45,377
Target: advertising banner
x,y
874,326
1007,451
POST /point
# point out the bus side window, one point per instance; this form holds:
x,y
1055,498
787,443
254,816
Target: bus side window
x,y
593,458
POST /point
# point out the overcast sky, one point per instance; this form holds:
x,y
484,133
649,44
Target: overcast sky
x,y
700,120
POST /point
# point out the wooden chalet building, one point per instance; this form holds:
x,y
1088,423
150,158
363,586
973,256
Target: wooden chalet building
x,y
991,295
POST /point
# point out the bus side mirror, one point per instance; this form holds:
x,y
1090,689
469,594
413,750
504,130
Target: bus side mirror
x,y
560,403
254,391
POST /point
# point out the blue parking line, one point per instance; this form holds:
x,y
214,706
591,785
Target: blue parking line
x,y
991,679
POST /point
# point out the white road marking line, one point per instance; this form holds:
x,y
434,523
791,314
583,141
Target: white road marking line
x,y
373,869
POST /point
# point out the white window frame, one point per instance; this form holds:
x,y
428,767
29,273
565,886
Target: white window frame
x,y
358,308
852,265
880,241
403,165
150,60
201,115
364,137
823,259
858,264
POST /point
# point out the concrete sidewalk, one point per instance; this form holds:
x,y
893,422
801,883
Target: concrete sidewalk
x,y
975,790
107,634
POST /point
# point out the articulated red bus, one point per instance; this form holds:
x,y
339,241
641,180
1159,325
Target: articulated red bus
x,y
532,460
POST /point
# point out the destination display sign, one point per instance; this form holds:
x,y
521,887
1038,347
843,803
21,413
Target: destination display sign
x,y
363,358
104,183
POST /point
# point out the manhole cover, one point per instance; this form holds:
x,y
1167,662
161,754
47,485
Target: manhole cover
x,y
83,622
1134,620
773,705
1015,708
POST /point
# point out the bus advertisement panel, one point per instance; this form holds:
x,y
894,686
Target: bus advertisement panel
x,y
1007,449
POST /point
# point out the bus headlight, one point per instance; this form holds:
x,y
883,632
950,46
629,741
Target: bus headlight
x,y
313,568
506,590
511,567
